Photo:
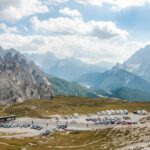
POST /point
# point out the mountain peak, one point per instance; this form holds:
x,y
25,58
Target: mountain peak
x,y
139,63
21,79
147,47
1,48
118,66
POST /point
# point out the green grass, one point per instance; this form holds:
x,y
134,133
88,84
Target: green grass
x,y
68,105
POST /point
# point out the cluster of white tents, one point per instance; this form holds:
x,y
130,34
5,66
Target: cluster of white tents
x,y
113,112
140,112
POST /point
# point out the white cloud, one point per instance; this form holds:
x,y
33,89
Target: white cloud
x,y
83,2
106,30
7,29
64,25
91,41
88,48
16,9
54,2
59,25
120,4
90,2
115,4
70,13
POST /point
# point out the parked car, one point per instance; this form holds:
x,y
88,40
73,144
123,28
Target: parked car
x,y
61,126
46,132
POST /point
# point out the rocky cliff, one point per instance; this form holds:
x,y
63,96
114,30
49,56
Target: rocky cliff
x,y
21,79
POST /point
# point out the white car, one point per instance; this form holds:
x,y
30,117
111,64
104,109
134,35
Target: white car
x,y
112,112
121,112
125,112
98,113
117,112
103,112
144,112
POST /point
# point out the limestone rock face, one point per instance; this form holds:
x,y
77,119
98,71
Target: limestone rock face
x,y
21,79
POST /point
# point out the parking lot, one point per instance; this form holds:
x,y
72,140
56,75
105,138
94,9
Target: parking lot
x,y
27,127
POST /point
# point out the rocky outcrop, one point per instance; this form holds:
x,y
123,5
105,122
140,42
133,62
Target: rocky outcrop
x,y
21,79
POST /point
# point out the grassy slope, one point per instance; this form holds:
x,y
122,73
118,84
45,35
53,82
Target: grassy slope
x,y
63,87
131,94
87,140
68,105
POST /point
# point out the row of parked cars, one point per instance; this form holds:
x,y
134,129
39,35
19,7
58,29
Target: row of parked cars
x,y
121,112
74,116
113,112
21,125
115,120
105,120
140,112
8,125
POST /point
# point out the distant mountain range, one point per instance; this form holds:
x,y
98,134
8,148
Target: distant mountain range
x,y
113,79
130,80
68,69
22,79
139,63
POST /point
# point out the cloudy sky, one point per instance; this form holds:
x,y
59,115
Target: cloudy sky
x,y
94,31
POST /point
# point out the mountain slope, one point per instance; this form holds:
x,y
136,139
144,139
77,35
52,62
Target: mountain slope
x,y
70,68
113,79
139,63
21,79
45,60
62,87
90,80
131,94
126,94
67,68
